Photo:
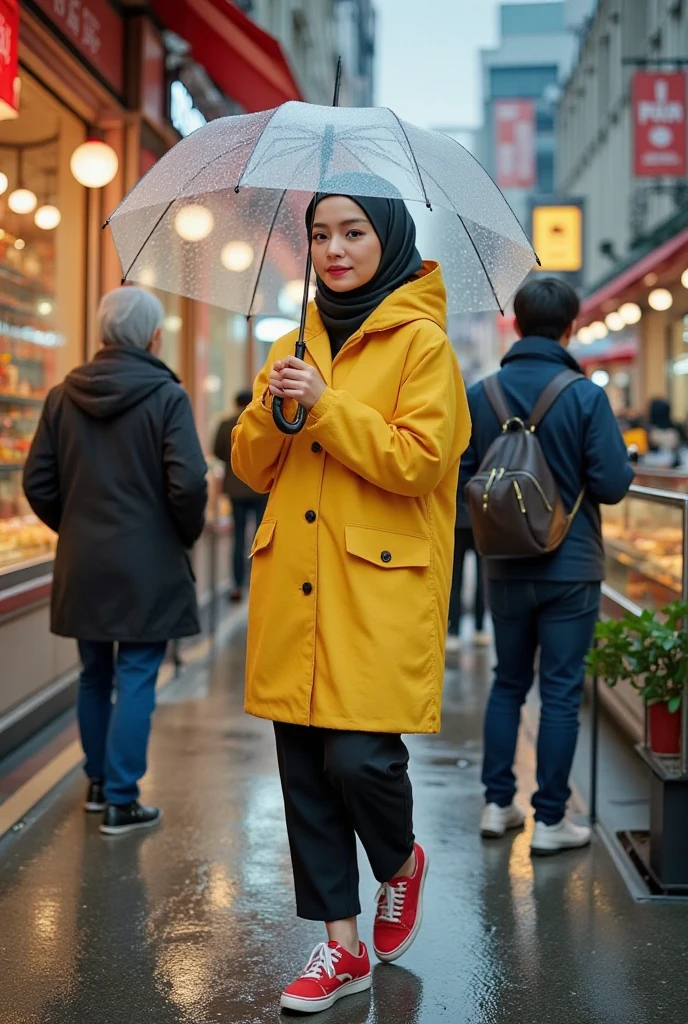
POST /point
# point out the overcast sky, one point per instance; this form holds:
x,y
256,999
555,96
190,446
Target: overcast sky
x,y
427,58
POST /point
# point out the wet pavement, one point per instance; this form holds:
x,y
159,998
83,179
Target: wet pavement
x,y
195,922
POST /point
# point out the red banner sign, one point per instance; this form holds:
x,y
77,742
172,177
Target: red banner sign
x,y
96,30
659,119
9,66
515,143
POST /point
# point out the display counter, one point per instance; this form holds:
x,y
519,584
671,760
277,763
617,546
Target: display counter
x,y
646,560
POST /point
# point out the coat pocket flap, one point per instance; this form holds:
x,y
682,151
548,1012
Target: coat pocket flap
x,y
388,550
263,537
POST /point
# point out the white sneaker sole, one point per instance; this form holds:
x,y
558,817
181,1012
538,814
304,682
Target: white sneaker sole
x,y
123,830
389,958
92,808
549,851
349,988
491,833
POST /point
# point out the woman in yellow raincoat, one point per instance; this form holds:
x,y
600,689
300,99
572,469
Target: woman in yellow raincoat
x,y
351,573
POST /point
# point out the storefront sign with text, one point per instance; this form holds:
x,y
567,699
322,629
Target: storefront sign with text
x,y
515,143
9,66
659,120
95,29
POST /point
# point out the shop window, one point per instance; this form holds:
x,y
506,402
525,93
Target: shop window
x,y
42,232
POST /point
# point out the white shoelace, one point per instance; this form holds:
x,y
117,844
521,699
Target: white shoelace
x,y
391,901
323,958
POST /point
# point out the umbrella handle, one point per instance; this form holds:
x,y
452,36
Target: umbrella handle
x,y
296,425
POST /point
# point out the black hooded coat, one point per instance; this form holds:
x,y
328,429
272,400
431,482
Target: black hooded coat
x,y
116,468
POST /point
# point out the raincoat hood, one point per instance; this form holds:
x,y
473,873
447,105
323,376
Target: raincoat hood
x,y
116,380
424,298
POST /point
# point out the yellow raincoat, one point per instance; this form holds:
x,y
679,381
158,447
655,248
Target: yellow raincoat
x,y
352,563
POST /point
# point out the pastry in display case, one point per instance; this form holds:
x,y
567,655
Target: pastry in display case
x,y
644,550
28,344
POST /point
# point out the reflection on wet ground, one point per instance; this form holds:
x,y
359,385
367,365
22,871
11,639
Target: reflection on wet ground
x,y
194,923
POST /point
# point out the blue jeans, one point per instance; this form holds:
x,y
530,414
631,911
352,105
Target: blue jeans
x,y
115,736
559,619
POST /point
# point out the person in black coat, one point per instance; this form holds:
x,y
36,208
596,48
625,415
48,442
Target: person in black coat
x,y
117,470
245,502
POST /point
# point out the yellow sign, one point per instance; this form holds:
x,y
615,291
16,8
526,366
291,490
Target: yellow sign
x,y
558,237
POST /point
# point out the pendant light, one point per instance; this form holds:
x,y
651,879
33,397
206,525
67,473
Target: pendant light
x,y
94,164
21,200
47,216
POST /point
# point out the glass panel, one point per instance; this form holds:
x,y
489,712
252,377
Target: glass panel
x,y
41,294
644,551
220,368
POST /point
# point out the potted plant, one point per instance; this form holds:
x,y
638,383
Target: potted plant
x,y
651,651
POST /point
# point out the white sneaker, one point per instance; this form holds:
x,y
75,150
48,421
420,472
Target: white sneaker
x,y
482,638
496,820
565,835
453,644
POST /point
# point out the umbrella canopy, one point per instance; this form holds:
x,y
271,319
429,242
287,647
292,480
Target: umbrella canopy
x,y
220,217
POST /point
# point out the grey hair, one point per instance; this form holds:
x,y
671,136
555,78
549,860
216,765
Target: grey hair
x,y
129,316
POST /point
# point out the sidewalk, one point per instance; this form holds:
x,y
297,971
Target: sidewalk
x,y
194,922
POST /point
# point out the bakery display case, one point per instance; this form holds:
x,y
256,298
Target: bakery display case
x,y
28,343
644,541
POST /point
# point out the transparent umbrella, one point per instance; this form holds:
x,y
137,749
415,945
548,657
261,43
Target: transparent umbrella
x,y
220,217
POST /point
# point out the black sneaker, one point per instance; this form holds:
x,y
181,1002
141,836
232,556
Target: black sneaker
x,y
122,818
95,797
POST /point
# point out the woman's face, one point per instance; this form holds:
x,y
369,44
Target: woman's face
x,y
345,249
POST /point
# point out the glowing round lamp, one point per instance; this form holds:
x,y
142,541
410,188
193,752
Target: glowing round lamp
x,y
601,378
147,277
22,200
193,223
614,321
237,256
45,308
661,299
19,244
631,312
585,336
47,217
598,330
94,163
684,278
173,323
4,183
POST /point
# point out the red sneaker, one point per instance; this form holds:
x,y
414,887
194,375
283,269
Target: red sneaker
x,y
400,911
330,974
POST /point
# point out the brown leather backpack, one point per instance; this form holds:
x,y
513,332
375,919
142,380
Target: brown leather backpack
x,y
515,506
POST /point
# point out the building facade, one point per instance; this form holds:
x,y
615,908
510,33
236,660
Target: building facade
x,y
636,225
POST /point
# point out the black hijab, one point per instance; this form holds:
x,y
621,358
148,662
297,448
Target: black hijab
x,y
343,313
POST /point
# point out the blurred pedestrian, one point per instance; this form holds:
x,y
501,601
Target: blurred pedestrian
x,y
246,503
116,469
464,541
665,438
547,603
351,574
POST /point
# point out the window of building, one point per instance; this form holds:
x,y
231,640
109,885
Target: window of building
x,y
545,172
521,82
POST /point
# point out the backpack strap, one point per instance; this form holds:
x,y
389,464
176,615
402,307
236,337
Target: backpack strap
x,y
497,399
550,395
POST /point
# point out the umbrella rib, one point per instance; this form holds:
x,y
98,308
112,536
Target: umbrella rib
x,y
265,250
147,240
482,263
413,157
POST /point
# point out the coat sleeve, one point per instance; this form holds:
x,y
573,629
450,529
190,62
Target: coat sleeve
x,y
41,476
470,462
427,435
608,473
185,469
257,444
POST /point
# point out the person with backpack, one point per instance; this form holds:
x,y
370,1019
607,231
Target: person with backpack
x,y
545,453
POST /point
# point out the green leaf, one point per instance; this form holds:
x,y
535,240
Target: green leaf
x,y
674,704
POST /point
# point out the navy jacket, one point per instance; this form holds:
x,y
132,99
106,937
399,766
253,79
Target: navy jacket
x,y
582,444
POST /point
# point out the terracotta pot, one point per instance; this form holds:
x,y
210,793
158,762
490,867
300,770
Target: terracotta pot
x,y
665,729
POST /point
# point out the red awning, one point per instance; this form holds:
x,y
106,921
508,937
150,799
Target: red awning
x,y
617,352
245,62
625,286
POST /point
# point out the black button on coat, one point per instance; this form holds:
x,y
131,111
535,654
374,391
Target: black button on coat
x,y
116,468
